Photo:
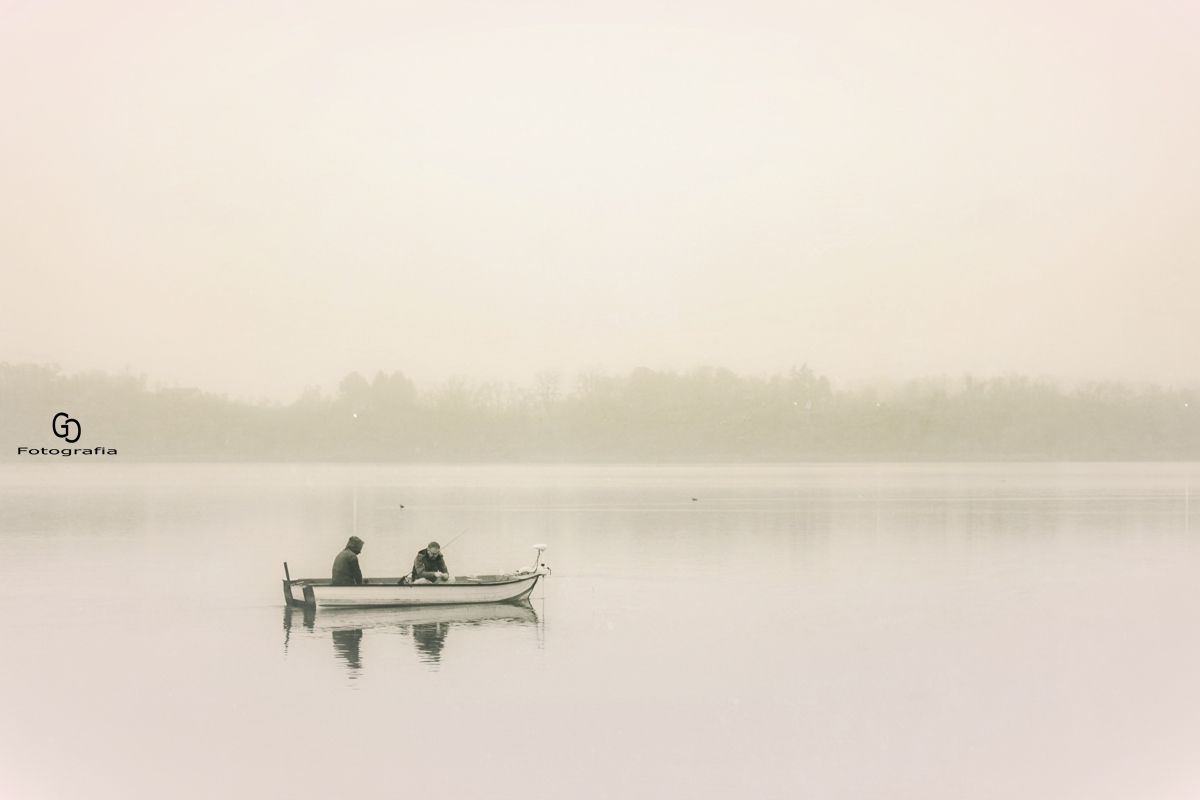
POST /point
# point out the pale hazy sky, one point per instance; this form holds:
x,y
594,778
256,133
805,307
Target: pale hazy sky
x,y
251,196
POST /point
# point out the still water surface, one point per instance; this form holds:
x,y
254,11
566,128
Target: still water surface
x,y
825,631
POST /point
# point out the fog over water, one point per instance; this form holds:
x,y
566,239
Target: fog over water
x,y
933,632
251,198
689,282
705,415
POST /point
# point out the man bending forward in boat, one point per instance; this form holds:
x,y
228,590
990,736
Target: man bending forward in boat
x,y
430,566
345,566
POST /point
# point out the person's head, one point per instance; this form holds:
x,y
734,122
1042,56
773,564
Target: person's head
x,y
355,544
434,549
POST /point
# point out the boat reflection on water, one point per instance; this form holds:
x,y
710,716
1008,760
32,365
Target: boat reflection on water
x,y
429,627
306,616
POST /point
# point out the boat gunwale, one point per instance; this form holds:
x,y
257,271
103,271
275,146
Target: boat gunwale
x,y
329,582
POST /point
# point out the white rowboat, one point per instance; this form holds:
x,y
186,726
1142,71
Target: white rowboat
x,y
393,593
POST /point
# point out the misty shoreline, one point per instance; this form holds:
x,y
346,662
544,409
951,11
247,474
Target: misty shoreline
x,y
707,415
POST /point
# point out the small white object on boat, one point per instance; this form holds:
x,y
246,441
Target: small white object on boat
x,y
392,593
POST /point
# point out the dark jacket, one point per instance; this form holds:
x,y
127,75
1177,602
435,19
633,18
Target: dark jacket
x,y
427,563
345,569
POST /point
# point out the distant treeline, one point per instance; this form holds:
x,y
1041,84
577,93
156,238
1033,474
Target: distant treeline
x,y
703,415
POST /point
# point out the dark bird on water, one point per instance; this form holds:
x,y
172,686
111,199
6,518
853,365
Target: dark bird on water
x,y
402,505
693,499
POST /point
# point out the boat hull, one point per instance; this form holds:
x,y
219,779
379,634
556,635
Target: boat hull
x,y
389,595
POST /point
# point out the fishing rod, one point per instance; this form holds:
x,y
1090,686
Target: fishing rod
x,y
456,538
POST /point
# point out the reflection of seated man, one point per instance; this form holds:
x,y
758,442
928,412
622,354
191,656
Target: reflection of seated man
x,y
345,566
346,645
429,566
430,638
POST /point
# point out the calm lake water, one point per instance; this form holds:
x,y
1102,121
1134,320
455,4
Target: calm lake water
x,y
824,631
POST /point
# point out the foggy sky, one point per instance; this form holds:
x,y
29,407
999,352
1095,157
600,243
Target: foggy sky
x,y
251,197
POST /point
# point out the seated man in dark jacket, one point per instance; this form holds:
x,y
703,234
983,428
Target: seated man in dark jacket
x,y
430,565
345,566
